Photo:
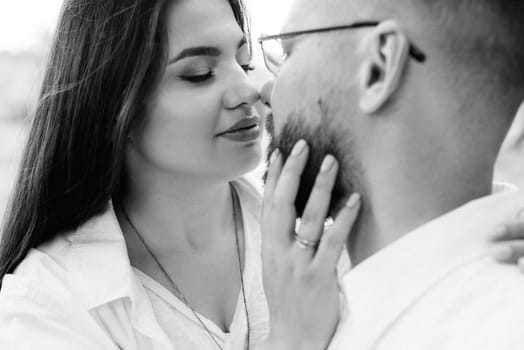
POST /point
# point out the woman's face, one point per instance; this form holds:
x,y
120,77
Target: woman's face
x,y
202,121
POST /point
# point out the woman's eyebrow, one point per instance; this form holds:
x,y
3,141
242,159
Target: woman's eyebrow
x,y
202,51
196,51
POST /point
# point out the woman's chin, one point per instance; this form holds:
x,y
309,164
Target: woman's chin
x,y
248,165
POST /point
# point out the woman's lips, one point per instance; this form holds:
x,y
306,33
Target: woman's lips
x,y
247,134
245,130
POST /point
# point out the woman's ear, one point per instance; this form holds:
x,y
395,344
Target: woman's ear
x,y
386,56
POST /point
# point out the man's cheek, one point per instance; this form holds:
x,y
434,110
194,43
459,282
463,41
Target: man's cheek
x,y
280,109
287,96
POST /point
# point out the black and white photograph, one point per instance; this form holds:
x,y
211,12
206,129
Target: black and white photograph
x,y
261,174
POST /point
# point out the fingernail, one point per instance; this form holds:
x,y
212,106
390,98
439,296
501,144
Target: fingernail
x,y
353,200
274,156
502,253
327,164
299,148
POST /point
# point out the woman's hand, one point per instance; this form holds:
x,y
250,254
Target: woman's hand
x,y
509,243
300,276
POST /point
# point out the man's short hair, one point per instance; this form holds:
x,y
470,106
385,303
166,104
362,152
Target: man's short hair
x,y
484,35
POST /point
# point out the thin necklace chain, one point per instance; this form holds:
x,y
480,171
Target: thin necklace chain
x,y
237,219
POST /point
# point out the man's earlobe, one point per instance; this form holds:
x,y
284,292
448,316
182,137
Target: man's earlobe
x,y
387,54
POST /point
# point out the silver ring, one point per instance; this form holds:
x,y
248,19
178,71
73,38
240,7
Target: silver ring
x,y
304,243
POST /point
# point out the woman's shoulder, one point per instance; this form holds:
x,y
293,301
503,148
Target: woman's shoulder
x,y
49,315
48,266
44,269
33,322
38,287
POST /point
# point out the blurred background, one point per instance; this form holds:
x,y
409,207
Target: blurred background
x,y
26,29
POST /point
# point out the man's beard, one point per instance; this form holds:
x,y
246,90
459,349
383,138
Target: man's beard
x,y
322,139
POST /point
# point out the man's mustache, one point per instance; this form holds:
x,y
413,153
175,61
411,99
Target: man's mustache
x,y
270,124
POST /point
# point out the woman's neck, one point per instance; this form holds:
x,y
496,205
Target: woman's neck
x,y
178,213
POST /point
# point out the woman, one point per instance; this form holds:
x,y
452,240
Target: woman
x,y
123,219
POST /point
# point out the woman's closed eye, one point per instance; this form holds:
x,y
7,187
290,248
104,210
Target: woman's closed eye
x,y
198,78
203,76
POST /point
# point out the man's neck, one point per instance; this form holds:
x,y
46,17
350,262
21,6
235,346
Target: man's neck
x,y
395,208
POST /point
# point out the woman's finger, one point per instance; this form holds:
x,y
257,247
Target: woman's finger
x,y
508,251
510,231
279,211
270,240
334,239
316,210
289,180
273,173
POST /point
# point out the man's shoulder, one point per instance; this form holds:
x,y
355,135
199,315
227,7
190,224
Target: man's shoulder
x,y
481,291
479,305
505,199
485,278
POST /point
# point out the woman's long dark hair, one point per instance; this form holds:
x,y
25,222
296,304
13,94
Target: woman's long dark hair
x,y
106,60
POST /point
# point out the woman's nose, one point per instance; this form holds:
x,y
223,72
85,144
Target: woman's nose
x,y
241,94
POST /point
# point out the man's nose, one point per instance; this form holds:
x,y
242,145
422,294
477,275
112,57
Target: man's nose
x,y
265,95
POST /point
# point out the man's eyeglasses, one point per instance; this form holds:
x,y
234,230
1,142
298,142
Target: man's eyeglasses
x,y
275,55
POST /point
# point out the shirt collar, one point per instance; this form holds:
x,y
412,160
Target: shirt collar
x,y
379,289
99,272
98,268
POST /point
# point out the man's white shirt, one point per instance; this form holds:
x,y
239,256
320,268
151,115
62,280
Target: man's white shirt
x,y
437,287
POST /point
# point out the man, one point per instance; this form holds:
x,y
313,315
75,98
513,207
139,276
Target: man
x,y
414,98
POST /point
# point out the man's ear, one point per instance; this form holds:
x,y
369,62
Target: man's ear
x,y
386,57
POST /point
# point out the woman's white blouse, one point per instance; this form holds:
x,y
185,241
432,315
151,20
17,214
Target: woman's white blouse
x,y
81,292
